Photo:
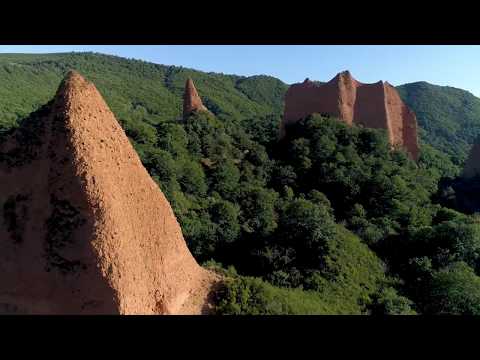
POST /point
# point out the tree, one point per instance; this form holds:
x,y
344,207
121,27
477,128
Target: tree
x,y
306,227
461,239
192,178
454,290
160,163
225,216
225,179
258,210
389,302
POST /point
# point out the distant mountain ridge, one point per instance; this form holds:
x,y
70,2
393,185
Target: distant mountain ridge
x,y
143,94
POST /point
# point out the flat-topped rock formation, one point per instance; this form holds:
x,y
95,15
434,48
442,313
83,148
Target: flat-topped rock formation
x,y
191,100
375,105
83,227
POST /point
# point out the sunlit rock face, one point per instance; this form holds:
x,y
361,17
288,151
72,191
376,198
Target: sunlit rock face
x,y
375,105
84,228
191,100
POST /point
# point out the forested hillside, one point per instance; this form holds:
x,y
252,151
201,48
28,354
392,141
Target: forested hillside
x,y
328,221
135,90
449,118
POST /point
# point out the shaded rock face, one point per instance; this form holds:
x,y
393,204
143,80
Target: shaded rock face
x,y
191,99
83,227
466,187
375,105
472,165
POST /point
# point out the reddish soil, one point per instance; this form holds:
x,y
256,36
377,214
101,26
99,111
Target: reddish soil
x,y
83,227
191,100
375,105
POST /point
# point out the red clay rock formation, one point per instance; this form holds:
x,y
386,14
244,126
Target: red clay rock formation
x,y
83,227
472,165
375,105
191,99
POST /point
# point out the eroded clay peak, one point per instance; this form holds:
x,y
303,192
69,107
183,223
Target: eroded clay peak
x,y
346,73
74,75
95,234
376,105
191,100
75,85
72,79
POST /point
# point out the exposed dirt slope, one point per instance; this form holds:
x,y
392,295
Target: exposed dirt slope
x,y
191,100
375,105
83,227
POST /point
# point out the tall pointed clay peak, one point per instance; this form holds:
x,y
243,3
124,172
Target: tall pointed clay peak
x,y
191,100
75,90
72,79
346,73
343,76
93,232
346,78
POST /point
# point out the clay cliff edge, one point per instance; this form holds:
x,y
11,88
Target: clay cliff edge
x,y
375,105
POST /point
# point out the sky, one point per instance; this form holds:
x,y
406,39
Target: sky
x,y
453,65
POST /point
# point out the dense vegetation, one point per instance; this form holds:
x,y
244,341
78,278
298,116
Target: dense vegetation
x,y
329,221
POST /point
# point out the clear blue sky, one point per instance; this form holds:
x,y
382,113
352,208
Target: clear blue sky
x,y
457,66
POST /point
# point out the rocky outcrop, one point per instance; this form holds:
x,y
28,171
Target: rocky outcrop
x,y
463,192
472,165
83,227
191,99
375,105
